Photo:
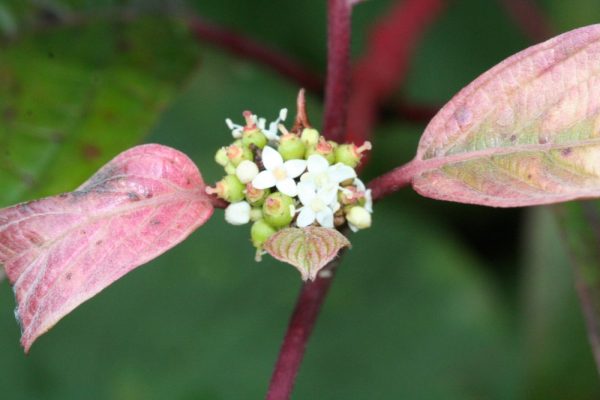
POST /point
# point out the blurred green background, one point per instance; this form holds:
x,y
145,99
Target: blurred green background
x,y
436,301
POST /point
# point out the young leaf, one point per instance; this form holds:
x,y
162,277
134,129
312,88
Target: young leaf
x,y
62,250
526,132
308,249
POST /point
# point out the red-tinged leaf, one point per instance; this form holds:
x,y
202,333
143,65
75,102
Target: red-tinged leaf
x,y
62,250
526,132
308,249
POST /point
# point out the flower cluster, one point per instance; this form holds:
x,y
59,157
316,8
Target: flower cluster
x,y
277,178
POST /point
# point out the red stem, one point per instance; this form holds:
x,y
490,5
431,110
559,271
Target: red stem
x,y
338,69
394,180
385,64
247,48
313,294
301,325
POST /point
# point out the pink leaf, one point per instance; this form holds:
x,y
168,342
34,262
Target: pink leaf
x,y
62,250
526,132
307,249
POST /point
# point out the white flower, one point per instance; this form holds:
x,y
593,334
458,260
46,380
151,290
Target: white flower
x,y
278,173
253,119
368,198
358,218
324,176
319,205
246,171
238,213
272,132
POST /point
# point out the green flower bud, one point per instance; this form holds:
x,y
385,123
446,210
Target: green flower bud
x,y
254,196
229,188
254,136
323,148
230,169
260,232
291,147
278,210
237,154
310,137
256,214
221,157
351,155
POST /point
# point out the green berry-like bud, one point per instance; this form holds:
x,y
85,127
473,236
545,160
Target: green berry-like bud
x,y
256,214
229,188
278,210
310,137
291,147
254,136
221,157
260,232
351,155
323,148
237,154
230,169
254,196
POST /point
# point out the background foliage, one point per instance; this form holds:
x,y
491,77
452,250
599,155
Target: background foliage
x,y
436,301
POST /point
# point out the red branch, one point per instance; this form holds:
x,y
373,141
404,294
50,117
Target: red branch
x,y
394,180
530,18
338,69
242,46
301,325
313,294
385,64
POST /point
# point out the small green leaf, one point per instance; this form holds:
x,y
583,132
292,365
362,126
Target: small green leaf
x,y
307,249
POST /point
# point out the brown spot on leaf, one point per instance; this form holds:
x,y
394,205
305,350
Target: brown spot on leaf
x,y
566,151
68,276
513,138
133,196
155,222
99,242
543,140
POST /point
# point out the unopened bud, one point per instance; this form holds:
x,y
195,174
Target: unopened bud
x,y
359,218
255,137
256,214
291,147
238,213
278,210
310,137
237,154
260,232
255,196
229,188
221,157
351,155
246,171
323,148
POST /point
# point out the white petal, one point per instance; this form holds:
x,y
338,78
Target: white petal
x,y
264,180
271,158
287,186
306,192
294,167
325,218
317,164
328,195
238,213
353,227
359,185
369,201
305,218
341,172
282,114
307,177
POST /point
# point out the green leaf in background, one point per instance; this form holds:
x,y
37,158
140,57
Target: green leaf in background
x,y
72,98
